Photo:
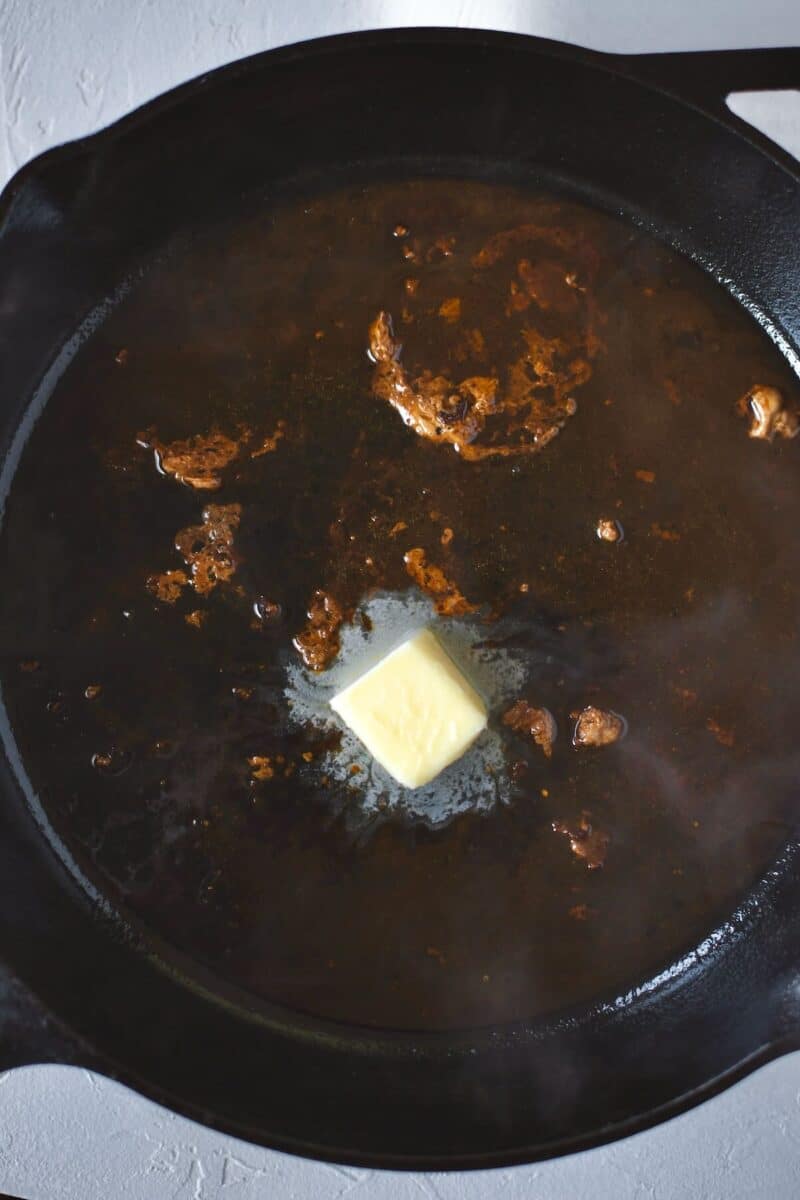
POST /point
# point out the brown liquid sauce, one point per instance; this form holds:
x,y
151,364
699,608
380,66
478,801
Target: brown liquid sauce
x,y
151,710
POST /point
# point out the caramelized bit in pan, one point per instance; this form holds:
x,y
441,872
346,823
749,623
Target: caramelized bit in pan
x,y
167,586
537,723
207,549
586,843
318,643
768,417
270,444
608,530
595,727
432,580
450,309
441,410
432,405
113,761
196,461
541,350
266,610
261,767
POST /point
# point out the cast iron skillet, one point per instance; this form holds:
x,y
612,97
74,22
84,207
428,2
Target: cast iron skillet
x,y
648,135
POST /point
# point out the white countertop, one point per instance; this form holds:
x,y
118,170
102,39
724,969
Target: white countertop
x,y
70,66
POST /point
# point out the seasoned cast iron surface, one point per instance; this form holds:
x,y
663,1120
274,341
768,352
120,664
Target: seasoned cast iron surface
x,y
152,709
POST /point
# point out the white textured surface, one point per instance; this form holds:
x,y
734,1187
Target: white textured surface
x,y
69,66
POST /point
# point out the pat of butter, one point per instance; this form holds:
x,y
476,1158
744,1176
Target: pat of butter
x,y
415,712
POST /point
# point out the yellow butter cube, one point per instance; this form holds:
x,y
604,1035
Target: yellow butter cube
x,y
415,712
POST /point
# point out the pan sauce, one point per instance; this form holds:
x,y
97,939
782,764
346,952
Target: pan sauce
x,y
223,458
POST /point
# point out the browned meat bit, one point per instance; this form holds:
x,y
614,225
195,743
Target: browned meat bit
x,y
266,610
608,530
270,444
527,399
432,580
92,691
432,405
196,461
196,618
585,842
547,363
261,767
450,309
645,476
167,586
382,345
400,231
241,692
768,416
207,549
447,536
113,761
121,357
725,737
538,723
29,665
532,419
318,643
411,286
594,727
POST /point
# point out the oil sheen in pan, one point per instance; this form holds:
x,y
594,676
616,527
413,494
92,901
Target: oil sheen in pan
x,y
443,913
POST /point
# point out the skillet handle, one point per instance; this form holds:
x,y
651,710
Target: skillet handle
x,y
707,77
29,1033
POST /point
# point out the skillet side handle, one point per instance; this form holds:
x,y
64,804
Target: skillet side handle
x,y
705,78
30,1034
